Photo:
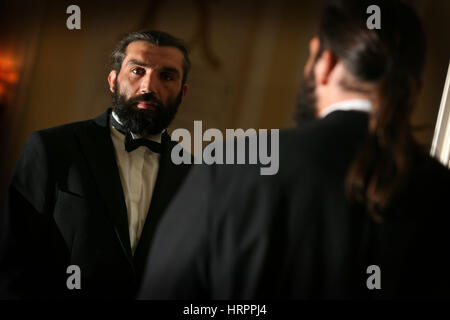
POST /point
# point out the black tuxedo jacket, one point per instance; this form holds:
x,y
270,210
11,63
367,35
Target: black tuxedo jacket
x,y
231,233
65,206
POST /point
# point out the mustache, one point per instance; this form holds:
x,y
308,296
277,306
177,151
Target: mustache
x,y
146,97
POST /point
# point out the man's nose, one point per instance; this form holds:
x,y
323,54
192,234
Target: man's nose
x,y
149,83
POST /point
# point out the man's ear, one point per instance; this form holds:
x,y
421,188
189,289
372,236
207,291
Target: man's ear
x,y
112,79
324,66
185,90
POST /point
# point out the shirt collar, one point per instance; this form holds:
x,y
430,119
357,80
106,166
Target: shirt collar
x,y
347,105
154,137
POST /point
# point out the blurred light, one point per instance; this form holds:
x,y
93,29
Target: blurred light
x,y
9,77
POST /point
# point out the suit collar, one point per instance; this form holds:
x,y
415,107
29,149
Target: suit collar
x,y
363,105
103,119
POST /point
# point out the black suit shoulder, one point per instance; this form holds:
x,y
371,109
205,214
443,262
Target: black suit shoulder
x,y
232,233
52,141
307,240
45,153
62,134
65,128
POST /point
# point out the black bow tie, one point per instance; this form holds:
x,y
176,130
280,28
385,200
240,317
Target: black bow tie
x,y
132,144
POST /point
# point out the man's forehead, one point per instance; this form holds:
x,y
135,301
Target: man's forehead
x,y
151,54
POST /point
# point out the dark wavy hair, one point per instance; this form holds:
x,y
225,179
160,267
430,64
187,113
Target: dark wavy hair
x,y
158,38
392,58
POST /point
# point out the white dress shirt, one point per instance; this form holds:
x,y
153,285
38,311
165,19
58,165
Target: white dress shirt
x,y
347,105
138,171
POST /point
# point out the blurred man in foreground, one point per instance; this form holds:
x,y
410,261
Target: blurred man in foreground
x,y
357,209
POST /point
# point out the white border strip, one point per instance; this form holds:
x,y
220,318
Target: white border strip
x,y
440,147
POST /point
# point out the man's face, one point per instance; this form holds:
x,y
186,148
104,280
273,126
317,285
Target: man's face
x,y
148,89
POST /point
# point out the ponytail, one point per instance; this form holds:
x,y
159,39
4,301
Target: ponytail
x,y
382,166
392,60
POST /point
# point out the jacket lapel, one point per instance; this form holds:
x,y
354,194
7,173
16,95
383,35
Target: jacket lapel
x,y
169,179
98,148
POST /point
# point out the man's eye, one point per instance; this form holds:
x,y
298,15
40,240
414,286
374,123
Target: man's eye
x,y
137,71
167,76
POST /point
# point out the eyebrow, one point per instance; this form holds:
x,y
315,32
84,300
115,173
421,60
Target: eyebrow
x,y
137,62
170,69
143,64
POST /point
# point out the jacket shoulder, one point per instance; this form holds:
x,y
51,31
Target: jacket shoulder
x,y
62,130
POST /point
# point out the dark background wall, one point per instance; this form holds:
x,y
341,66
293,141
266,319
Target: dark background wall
x,y
247,62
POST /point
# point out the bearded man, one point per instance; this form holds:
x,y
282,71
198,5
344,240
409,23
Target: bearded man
x,y
85,198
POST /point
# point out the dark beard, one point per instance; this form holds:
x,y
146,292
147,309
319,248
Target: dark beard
x,y
306,101
141,121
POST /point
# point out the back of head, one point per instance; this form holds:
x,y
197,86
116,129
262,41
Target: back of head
x,y
392,59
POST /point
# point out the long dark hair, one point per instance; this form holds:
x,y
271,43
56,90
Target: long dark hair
x,y
392,58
